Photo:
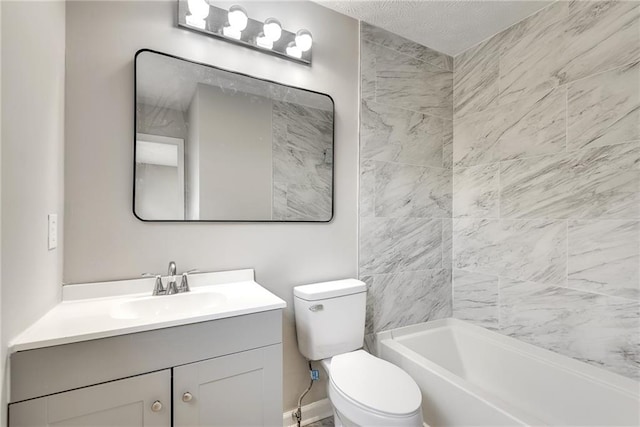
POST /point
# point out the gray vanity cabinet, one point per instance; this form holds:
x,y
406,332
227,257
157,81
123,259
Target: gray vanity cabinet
x,y
234,390
144,401
225,372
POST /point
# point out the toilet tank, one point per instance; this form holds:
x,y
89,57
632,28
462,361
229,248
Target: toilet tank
x,y
330,317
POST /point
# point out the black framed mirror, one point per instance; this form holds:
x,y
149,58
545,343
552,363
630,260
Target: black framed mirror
x,y
215,145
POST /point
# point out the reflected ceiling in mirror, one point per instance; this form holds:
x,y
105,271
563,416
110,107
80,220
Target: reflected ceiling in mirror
x,y
213,145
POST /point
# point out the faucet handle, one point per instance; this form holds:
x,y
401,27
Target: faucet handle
x,y
184,283
193,270
158,288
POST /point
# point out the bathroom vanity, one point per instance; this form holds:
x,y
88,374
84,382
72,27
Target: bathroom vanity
x,y
212,356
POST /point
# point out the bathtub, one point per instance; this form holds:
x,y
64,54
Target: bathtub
x,y
471,376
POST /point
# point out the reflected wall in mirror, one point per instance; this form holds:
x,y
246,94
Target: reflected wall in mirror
x,y
213,145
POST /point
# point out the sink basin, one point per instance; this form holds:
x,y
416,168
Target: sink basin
x,y
191,304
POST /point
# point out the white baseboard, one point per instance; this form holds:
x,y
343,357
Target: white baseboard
x,y
311,413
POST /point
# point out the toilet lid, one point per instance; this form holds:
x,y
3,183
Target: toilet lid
x,y
375,383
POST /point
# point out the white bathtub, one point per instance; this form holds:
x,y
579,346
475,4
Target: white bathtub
x,y
470,376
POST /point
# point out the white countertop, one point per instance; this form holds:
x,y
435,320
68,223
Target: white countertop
x,y
81,317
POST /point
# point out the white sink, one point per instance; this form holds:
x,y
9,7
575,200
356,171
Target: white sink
x,y
168,305
92,311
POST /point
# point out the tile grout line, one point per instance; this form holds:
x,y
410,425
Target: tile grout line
x,y
595,147
406,54
554,285
537,93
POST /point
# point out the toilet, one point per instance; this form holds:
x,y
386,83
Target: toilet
x,y
363,389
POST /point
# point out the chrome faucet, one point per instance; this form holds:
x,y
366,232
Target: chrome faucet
x,y
172,287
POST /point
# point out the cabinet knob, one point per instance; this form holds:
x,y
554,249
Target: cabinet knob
x,y
156,406
187,397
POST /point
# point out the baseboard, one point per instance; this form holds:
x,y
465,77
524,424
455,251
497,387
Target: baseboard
x,y
311,413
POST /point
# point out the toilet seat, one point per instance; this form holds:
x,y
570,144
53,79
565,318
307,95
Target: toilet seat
x,y
374,385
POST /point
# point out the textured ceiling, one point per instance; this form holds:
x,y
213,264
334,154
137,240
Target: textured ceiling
x,y
450,27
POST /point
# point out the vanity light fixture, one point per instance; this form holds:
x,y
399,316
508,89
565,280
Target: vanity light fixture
x,y
304,40
234,25
198,12
293,50
231,32
238,18
272,29
264,42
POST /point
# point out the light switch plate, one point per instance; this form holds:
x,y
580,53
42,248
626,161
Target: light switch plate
x,y
53,231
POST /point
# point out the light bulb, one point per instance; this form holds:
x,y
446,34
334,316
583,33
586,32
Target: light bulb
x,y
231,32
238,18
199,9
264,42
272,29
293,50
304,40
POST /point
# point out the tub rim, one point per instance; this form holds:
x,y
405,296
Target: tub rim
x,y
598,375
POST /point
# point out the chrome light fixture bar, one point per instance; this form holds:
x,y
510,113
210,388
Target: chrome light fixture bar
x,y
235,26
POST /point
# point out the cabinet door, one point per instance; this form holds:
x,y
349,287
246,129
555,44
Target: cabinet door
x,y
119,403
241,389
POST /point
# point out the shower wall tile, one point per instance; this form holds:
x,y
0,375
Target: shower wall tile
x,y
601,182
546,162
475,81
280,210
447,144
368,61
408,83
400,44
447,243
406,148
160,120
475,298
605,109
291,113
412,191
596,329
521,249
390,245
534,48
600,35
532,126
367,186
604,257
301,167
302,161
407,298
476,191
397,135
302,202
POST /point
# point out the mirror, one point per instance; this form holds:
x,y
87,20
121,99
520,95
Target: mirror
x,y
213,145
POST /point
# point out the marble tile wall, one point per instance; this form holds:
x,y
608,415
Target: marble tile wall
x,y
161,120
546,182
302,162
406,157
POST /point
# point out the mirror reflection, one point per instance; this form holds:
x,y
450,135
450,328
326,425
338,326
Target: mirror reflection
x,y
213,145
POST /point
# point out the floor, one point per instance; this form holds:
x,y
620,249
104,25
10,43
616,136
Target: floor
x,y
326,422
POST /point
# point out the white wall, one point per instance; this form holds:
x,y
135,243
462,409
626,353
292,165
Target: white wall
x,y
33,46
234,148
104,240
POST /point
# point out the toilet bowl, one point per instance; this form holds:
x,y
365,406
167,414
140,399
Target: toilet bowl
x,y
367,391
363,389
